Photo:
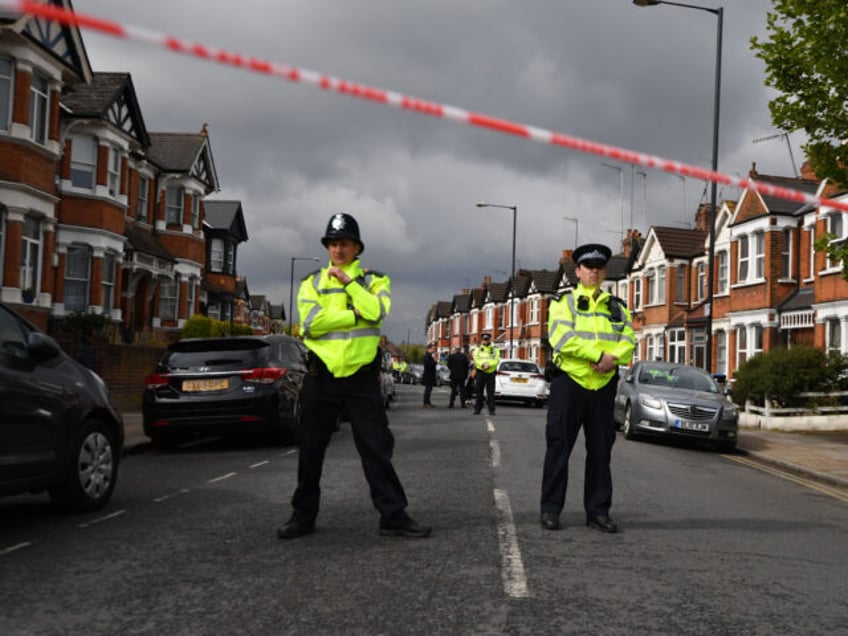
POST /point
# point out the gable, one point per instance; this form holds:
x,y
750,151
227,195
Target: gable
x,y
63,42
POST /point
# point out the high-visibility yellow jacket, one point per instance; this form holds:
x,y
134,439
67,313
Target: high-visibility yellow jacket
x,y
484,354
331,329
585,323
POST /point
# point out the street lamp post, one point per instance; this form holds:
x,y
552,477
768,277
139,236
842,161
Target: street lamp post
x,y
514,209
291,286
576,229
620,192
708,310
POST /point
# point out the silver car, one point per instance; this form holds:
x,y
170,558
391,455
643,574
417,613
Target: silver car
x,y
675,400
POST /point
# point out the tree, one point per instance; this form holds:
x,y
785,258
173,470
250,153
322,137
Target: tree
x,y
807,63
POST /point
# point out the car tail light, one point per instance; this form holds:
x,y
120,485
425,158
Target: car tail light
x,y
155,380
501,373
537,376
263,375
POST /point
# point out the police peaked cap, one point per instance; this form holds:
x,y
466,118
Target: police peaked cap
x,y
592,252
342,225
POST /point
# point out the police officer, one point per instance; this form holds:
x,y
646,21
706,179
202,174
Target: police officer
x,y
486,358
342,306
590,333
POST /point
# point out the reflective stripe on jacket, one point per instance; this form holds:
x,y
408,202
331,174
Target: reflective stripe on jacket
x,y
581,327
483,354
329,325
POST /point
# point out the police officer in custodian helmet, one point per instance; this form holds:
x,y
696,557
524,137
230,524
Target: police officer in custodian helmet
x,y
591,334
342,307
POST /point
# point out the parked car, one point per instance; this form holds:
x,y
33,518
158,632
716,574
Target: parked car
x,y
59,430
205,386
521,380
413,374
442,375
663,398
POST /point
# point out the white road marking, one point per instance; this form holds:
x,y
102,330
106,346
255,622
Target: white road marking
x,y
512,565
170,495
496,453
490,425
117,513
13,548
221,478
258,464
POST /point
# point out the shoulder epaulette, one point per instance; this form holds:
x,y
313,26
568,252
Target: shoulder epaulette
x,y
374,272
311,274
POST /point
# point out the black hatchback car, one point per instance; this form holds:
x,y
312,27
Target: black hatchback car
x,y
59,430
213,386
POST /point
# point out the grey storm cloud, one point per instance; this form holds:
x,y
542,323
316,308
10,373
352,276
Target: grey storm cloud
x,y
602,70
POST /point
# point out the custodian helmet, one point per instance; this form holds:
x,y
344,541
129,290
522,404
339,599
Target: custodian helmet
x,y
342,225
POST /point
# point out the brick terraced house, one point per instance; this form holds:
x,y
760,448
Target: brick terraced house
x,y
771,286
98,215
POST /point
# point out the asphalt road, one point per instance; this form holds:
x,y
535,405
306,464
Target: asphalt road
x,y
188,546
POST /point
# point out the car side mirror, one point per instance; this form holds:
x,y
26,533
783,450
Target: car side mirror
x,y
42,347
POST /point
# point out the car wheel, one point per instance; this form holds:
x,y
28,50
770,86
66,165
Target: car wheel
x,y
92,470
627,426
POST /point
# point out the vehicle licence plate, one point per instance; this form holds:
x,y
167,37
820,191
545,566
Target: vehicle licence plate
x,y
519,380
216,384
701,427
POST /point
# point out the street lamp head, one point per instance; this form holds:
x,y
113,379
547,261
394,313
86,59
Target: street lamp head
x,y
482,205
646,3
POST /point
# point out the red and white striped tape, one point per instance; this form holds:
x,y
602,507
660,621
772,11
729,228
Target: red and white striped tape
x,y
414,104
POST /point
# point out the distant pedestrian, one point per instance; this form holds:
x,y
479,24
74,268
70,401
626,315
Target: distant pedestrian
x,y
428,376
486,357
458,367
343,306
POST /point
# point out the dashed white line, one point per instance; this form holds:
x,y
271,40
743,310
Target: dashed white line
x,y
117,513
512,565
258,464
496,453
14,548
170,495
221,478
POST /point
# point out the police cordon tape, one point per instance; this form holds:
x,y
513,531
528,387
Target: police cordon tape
x,y
405,102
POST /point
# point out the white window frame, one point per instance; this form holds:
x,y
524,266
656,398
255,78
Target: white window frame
x,y
701,285
31,254
110,263
7,92
661,284
786,251
39,108
677,345
142,199
759,255
84,162
833,335
721,351
637,293
533,317
216,255
174,208
835,226
77,278
114,171
169,294
190,297
489,320
195,212
741,345
743,259
649,348
681,283
723,272
650,283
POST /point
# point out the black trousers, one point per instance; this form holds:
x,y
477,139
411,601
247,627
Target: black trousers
x,y
485,381
457,388
571,406
322,399
428,391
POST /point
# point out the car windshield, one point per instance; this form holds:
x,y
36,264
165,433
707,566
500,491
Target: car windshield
x,y
523,367
678,377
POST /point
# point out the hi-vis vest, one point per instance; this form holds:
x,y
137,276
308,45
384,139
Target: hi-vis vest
x,y
330,327
486,354
582,326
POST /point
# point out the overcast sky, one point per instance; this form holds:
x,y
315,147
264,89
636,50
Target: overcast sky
x,y
603,70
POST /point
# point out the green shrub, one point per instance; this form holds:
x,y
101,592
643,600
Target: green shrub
x,y
200,326
781,374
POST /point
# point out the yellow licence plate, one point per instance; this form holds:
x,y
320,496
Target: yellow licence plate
x,y
519,380
217,384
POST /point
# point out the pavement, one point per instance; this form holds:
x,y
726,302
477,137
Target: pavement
x,y
819,456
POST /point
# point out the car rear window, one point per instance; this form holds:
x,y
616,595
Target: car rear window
x,y
222,354
523,367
